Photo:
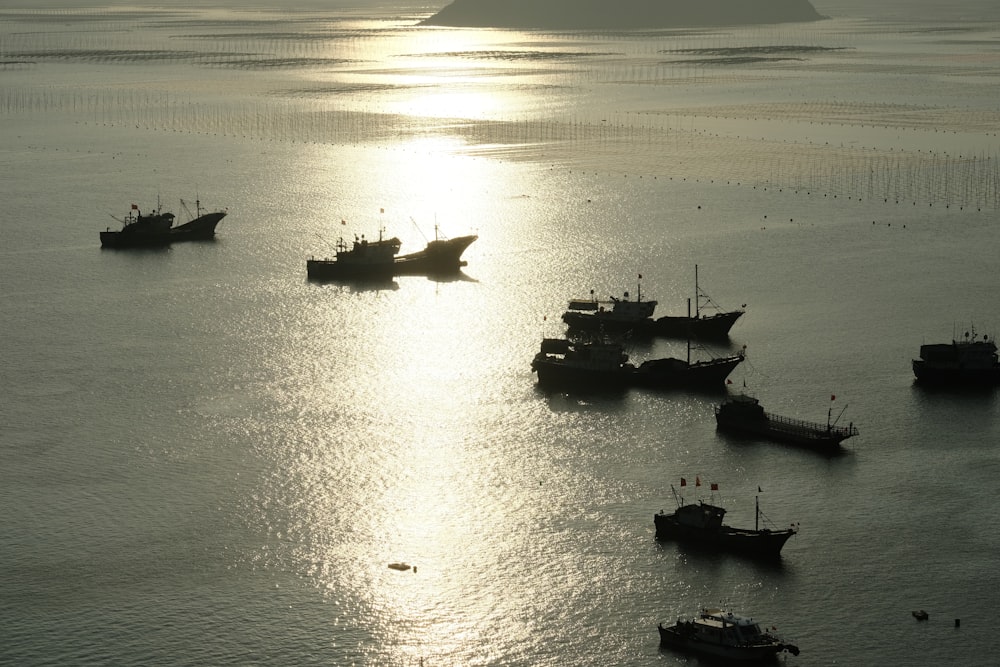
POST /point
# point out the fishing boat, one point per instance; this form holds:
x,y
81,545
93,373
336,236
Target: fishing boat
x,y
441,256
201,226
612,316
673,373
701,524
699,325
723,634
971,361
602,363
364,259
744,414
597,364
158,229
626,315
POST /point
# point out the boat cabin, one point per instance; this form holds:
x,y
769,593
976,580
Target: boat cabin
x,y
744,408
701,515
726,628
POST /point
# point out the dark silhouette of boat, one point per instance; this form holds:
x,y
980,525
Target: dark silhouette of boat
x,y
157,229
372,260
598,364
673,373
725,635
627,316
701,524
744,414
602,363
971,361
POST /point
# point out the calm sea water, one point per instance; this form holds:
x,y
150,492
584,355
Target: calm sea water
x,y
210,460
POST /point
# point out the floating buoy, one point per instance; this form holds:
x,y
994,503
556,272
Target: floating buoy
x,y
402,567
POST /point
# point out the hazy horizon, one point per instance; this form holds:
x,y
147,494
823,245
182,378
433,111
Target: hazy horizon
x,y
902,9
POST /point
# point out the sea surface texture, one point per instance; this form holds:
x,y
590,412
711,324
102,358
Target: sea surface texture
x,y
210,460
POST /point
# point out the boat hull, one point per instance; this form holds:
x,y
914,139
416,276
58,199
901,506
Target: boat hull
x,y
714,327
201,228
110,239
553,374
746,542
679,374
818,438
676,638
954,376
705,328
440,257
331,269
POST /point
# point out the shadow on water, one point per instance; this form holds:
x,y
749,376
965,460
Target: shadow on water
x,y
357,286
138,250
448,277
712,558
982,394
582,401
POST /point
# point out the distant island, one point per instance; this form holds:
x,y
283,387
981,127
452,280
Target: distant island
x,y
619,14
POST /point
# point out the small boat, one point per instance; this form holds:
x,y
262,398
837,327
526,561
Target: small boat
x,y
744,414
971,361
921,615
599,364
628,316
379,259
723,634
157,228
701,524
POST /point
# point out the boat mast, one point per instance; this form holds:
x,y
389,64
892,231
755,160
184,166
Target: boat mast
x,y
697,297
756,523
689,333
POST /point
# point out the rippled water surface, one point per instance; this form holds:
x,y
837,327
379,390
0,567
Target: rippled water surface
x,y
209,459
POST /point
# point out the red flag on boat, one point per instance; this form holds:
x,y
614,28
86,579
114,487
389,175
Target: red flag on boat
x,y
697,481
134,207
343,222
833,397
684,482
715,487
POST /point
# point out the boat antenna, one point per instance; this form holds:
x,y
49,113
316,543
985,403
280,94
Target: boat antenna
x,y
422,231
677,499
